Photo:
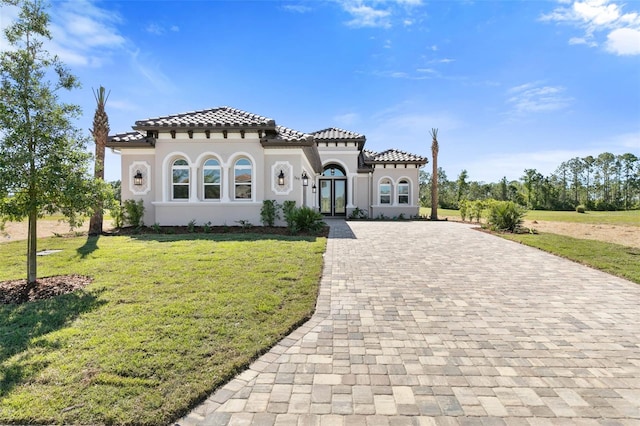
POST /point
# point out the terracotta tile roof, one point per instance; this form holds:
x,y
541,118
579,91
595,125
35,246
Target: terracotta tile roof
x,y
392,156
333,133
215,117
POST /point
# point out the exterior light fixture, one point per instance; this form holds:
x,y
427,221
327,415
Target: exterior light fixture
x,y
137,178
281,178
313,188
305,179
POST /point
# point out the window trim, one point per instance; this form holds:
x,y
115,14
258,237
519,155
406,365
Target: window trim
x,y
404,182
387,183
175,167
205,184
236,184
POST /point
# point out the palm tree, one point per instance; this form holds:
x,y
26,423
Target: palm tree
x,y
434,175
100,133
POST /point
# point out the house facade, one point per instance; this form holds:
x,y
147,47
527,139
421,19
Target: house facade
x,y
219,165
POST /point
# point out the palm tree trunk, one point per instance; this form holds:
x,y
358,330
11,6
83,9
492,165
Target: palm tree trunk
x,y
434,175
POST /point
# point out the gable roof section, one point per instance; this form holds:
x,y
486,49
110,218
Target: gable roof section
x,y
130,139
221,117
334,133
392,156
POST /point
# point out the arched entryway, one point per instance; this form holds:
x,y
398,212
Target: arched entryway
x,y
333,191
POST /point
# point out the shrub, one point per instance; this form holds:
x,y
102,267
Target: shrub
x,y
117,215
156,228
269,212
133,213
358,213
505,216
191,226
581,209
304,219
288,208
464,209
207,227
475,210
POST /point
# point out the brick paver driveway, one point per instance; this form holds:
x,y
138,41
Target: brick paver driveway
x,y
437,323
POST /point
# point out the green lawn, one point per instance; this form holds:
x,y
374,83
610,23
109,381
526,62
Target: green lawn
x,y
167,319
612,258
629,217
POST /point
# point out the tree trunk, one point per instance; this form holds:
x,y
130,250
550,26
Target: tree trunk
x,y
95,223
434,188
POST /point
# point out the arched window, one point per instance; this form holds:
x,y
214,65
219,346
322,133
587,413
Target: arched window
x,y
403,191
180,180
385,191
211,179
243,174
333,171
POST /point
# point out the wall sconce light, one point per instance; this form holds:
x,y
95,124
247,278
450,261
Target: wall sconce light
x,y
137,178
305,179
281,178
313,188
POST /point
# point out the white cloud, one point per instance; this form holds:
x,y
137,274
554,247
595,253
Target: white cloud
x,y
534,97
597,18
297,8
624,41
347,119
367,16
379,13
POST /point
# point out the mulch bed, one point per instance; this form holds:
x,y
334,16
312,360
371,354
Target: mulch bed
x,y
15,291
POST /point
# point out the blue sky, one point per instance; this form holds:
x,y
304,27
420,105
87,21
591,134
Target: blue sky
x,y
509,84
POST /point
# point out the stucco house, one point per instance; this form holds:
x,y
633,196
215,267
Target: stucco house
x,y
218,165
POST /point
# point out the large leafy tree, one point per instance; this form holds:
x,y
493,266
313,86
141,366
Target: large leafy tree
x,y
44,166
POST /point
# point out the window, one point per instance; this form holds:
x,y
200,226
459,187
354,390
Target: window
x,y
403,192
333,171
211,179
385,192
242,172
180,180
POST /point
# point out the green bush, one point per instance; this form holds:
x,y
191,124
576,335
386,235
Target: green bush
x,y
464,209
133,213
269,212
358,213
117,215
475,209
505,216
581,209
304,219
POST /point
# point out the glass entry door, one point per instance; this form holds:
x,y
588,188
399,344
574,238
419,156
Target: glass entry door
x,y
333,197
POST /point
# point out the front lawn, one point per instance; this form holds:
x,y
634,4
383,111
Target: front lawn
x,y
612,258
167,319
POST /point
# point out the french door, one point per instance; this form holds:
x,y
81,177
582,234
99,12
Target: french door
x,y
333,197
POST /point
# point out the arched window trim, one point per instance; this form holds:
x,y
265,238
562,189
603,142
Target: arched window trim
x,y
177,180
243,186
403,197
385,198
210,187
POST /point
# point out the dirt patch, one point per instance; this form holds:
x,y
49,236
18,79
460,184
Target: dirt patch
x,y
16,231
624,235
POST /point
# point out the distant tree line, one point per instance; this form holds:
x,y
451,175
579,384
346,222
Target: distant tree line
x,y
605,182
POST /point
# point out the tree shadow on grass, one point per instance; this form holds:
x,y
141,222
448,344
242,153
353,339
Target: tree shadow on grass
x,y
89,246
21,324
